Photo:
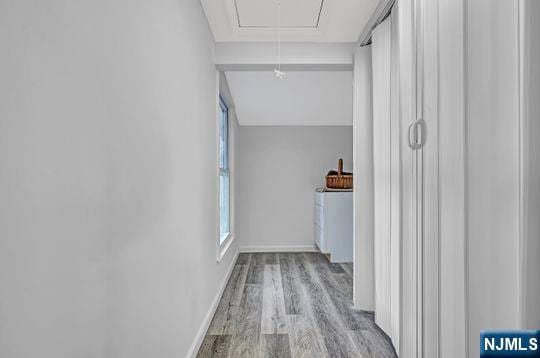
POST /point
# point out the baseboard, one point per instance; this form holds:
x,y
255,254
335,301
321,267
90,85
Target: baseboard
x,y
194,349
356,308
301,248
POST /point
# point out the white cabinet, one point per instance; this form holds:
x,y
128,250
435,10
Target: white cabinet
x,y
333,224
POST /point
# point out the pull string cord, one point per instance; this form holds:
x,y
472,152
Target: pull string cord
x,y
279,35
278,72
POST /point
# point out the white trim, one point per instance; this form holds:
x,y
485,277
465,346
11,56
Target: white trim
x,y
430,233
222,249
291,67
218,169
524,73
245,31
222,90
259,56
356,308
201,333
466,164
299,248
379,14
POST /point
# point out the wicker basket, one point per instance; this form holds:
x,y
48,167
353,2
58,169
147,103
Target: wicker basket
x,y
339,179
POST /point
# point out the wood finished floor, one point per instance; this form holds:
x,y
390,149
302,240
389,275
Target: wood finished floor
x,y
291,305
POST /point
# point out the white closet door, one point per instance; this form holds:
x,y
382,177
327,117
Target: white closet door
x,y
387,177
381,52
410,328
395,185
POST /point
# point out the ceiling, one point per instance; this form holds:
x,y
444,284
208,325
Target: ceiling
x,y
264,13
302,20
302,98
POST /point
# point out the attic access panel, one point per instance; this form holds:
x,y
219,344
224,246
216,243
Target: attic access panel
x,y
264,13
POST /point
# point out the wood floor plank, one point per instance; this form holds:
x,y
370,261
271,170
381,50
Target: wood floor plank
x,y
226,316
271,258
291,284
305,340
336,342
320,259
346,283
275,346
291,305
246,342
373,344
243,258
273,310
341,296
255,274
258,258
348,268
215,346
256,269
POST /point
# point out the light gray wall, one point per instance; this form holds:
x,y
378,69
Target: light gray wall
x,y
108,178
278,171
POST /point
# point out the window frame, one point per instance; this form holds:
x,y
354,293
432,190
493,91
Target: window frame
x,y
224,170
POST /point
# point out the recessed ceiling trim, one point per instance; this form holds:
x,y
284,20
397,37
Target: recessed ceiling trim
x,y
275,27
379,15
339,21
297,67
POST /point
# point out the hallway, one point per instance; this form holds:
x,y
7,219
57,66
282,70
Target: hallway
x,y
291,305
269,178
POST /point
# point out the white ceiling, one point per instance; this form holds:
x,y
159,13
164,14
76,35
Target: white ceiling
x,y
302,98
302,20
264,13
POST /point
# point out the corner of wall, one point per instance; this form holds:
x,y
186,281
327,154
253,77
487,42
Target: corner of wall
x,y
201,332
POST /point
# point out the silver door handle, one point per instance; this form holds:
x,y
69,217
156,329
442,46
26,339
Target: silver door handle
x,y
410,142
416,134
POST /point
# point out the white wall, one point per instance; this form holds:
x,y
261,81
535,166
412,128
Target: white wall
x,y
492,169
108,178
278,171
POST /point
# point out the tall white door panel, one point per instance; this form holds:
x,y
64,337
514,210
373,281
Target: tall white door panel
x,y
381,51
395,186
387,198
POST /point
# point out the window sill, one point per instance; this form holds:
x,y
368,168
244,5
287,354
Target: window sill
x,y
224,246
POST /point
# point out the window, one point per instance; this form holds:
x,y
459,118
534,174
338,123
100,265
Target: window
x,y
224,173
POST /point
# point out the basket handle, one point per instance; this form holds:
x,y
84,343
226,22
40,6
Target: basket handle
x,y
340,167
